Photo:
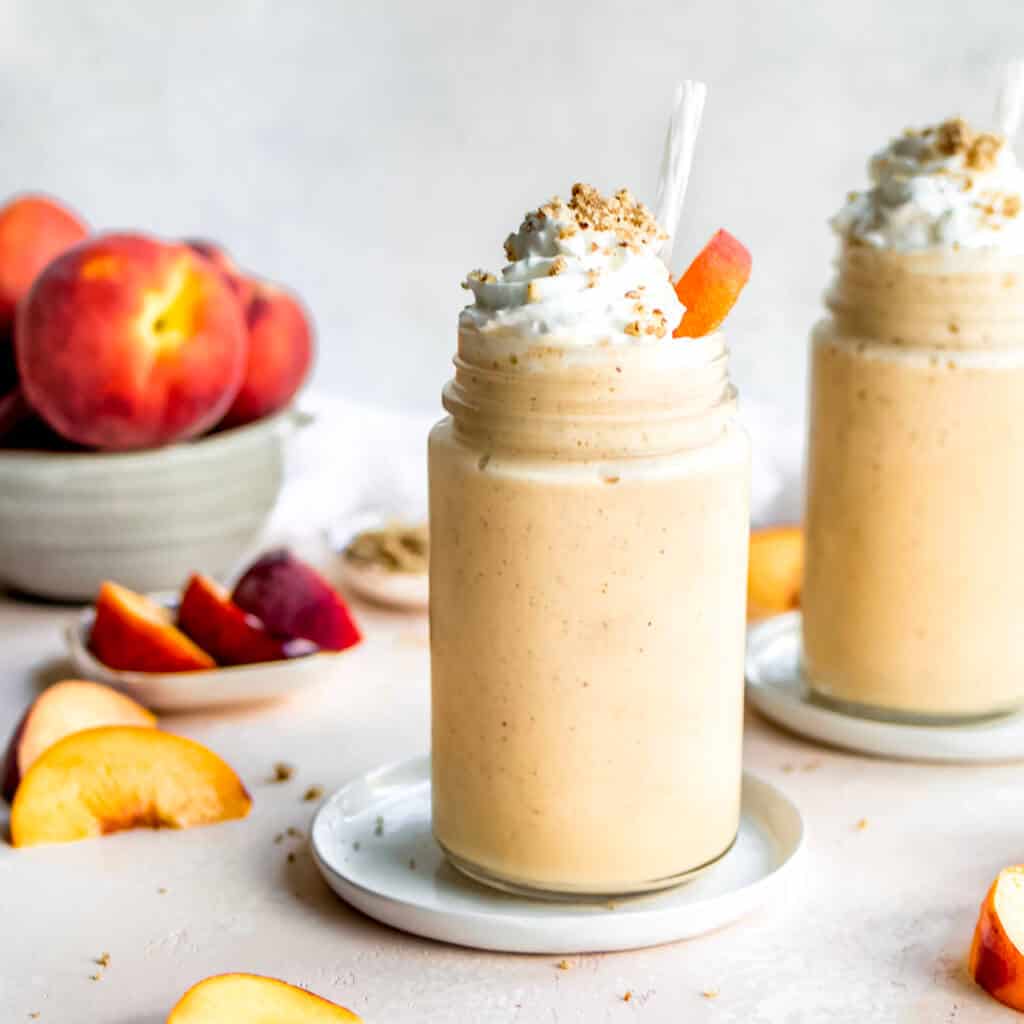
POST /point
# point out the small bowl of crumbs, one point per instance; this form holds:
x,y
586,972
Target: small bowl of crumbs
x,y
388,565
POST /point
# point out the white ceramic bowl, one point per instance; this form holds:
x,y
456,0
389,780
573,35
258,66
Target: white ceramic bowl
x,y
144,519
209,688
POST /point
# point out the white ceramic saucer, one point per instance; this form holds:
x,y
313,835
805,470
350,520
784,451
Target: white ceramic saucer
x,y
372,842
776,687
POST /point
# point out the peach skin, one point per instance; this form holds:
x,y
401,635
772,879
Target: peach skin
x,y
33,230
711,285
234,998
996,960
62,709
280,354
134,634
117,777
218,256
776,572
234,637
126,342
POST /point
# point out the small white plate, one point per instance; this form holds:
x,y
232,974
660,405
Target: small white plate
x,y
189,691
776,687
409,591
372,842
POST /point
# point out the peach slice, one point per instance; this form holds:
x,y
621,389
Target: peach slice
x,y
711,285
234,637
117,777
775,575
232,998
293,599
997,952
135,634
65,708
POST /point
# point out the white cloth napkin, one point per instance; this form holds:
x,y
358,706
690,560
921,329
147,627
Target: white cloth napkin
x,y
356,462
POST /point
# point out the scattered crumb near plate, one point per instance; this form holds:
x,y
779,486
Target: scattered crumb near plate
x,y
710,993
282,771
103,960
161,891
313,793
378,828
355,845
279,838
295,833
34,1015
563,965
95,977
291,857
862,824
628,996
412,863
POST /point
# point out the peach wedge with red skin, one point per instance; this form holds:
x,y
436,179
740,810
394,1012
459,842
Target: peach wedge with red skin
x,y
127,342
292,599
996,960
776,571
232,636
119,777
66,707
34,229
280,354
234,998
131,633
711,285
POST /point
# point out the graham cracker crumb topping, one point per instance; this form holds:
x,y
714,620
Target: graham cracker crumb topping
x,y
955,137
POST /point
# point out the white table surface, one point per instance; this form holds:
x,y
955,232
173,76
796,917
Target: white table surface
x,y
877,929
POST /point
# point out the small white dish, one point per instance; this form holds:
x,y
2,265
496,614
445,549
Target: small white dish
x,y
776,687
372,842
406,590
189,691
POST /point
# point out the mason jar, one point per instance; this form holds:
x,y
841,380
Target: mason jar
x,y
915,548
589,517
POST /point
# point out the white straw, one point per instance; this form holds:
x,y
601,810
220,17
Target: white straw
x,y
677,159
1010,100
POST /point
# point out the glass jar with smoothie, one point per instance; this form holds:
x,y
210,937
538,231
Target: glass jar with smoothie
x,y
915,511
589,520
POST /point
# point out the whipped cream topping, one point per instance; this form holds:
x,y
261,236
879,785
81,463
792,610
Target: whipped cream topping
x,y
943,187
580,273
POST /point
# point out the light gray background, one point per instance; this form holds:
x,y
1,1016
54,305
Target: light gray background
x,y
371,153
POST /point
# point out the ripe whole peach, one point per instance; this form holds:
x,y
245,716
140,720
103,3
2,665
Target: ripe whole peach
x,y
280,354
128,342
33,230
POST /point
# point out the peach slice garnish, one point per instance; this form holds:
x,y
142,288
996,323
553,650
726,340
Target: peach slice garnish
x,y
62,709
234,637
775,576
133,633
118,777
997,952
234,998
711,285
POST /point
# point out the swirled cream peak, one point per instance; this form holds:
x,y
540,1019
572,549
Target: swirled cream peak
x,y
580,273
945,186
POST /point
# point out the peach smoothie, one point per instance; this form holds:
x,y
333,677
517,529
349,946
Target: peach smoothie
x,y
589,518
915,551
